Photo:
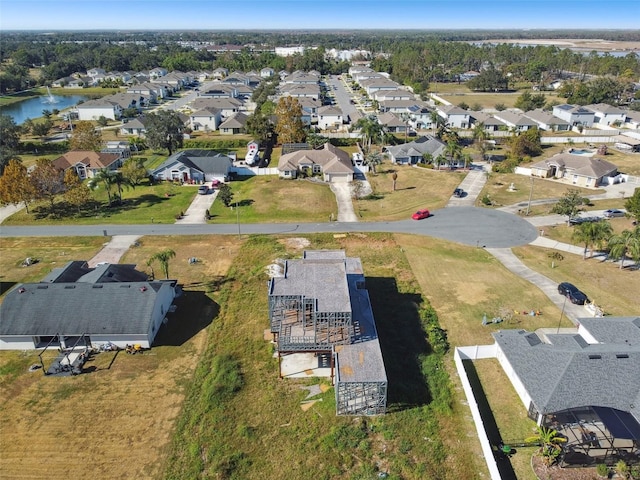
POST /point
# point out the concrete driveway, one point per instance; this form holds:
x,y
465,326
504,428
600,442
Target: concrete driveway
x,y
472,185
342,191
197,210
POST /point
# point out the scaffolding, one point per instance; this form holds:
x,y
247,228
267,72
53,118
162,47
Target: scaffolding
x,y
321,306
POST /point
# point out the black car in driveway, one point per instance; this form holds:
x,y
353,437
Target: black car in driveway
x,y
572,292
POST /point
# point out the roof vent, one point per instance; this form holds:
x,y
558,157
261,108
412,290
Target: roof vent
x,y
595,357
143,289
22,290
622,355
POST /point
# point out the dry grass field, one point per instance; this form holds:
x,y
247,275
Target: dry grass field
x,y
127,417
458,93
117,420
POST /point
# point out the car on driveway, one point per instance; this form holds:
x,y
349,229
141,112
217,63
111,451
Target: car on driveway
x,y
613,212
579,220
573,294
458,193
420,214
203,190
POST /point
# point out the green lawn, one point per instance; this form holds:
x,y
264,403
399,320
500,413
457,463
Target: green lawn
x,y
160,203
415,188
269,199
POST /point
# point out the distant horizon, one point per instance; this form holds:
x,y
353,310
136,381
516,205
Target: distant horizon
x,y
311,15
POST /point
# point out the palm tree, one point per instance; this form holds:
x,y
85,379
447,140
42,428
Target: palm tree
x,y
372,159
550,443
163,258
105,177
370,130
625,244
592,233
150,265
436,121
453,151
119,180
439,160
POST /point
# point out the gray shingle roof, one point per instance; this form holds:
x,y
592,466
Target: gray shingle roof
x,y
205,161
39,309
567,372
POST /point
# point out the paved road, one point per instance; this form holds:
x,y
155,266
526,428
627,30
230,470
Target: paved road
x,y
467,225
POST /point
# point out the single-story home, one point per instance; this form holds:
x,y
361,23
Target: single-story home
x,y
108,303
195,166
136,126
413,152
333,163
87,163
580,170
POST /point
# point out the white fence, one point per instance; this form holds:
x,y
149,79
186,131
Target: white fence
x,y
591,139
467,354
246,171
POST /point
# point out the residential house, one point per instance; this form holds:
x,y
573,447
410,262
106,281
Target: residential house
x,y
303,78
94,72
195,166
87,163
455,117
310,108
382,95
267,72
490,123
289,51
233,125
400,106
579,170
301,90
605,115
102,107
220,90
583,383
220,73
547,121
63,82
413,152
632,120
375,85
320,314
135,126
207,119
119,147
109,303
469,75
515,121
227,106
574,115
626,143
157,72
392,124
330,117
333,163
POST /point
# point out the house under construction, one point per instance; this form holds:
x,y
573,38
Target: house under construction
x,y
320,305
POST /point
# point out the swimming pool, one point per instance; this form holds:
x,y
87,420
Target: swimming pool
x,y
582,151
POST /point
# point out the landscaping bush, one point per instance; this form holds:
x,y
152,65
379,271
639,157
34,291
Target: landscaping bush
x,y
602,470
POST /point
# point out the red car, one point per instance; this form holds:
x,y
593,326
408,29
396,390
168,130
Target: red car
x,y
420,214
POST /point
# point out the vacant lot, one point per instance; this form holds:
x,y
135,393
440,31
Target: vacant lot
x,y
180,407
265,199
456,94
116,421
415,188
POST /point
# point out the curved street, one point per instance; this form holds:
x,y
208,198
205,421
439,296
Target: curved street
x,y
473,226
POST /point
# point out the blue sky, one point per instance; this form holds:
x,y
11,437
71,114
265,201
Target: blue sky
x,y
317,14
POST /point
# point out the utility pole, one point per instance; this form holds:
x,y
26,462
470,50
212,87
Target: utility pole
x,y
530,196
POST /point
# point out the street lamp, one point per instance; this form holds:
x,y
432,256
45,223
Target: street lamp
x,y
530,196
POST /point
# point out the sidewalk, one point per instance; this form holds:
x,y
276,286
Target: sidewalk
x,y
8,210
548,286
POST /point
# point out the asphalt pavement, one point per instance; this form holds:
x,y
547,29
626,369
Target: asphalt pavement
x,y
480,227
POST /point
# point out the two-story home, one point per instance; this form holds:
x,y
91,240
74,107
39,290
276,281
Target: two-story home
x,y
207,119
94,109
455,116
606,115
574,115
330,117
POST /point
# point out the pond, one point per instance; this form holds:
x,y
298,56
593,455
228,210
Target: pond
x,y
33,107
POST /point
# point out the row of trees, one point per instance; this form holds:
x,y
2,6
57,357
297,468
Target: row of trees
x,y
46,182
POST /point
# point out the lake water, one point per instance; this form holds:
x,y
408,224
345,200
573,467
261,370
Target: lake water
x,y
32,107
